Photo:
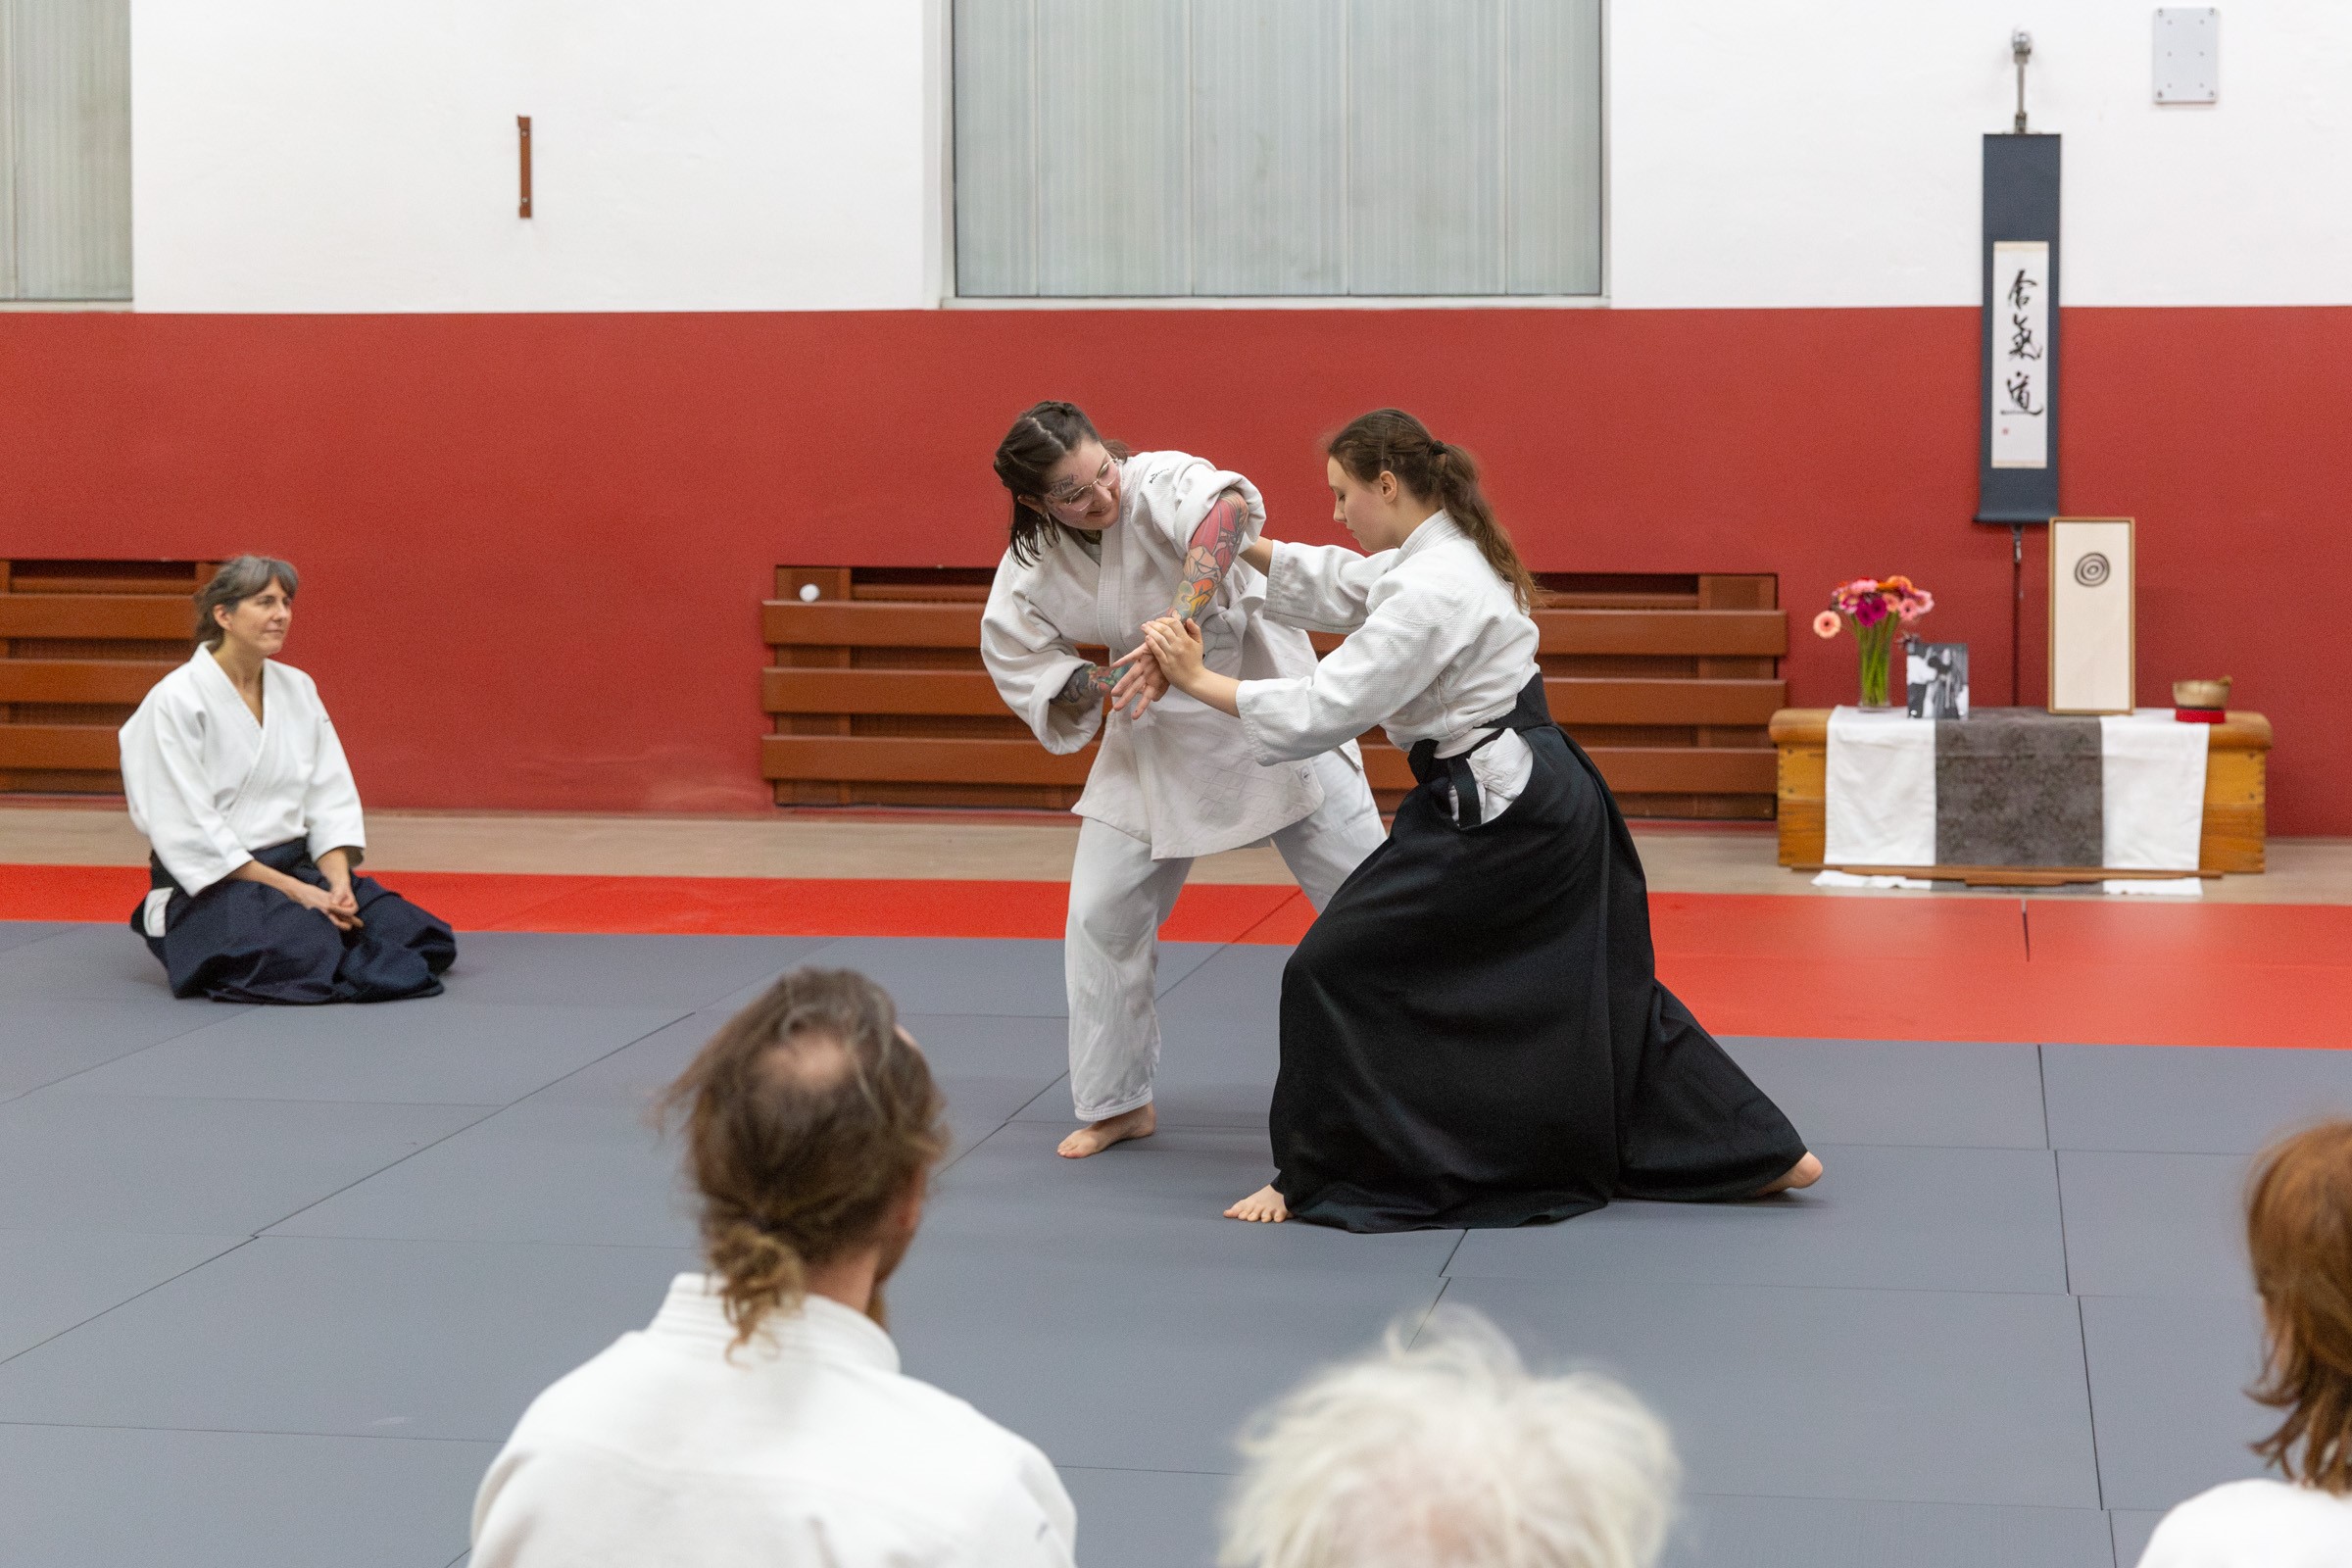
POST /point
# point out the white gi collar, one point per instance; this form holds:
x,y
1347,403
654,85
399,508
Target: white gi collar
x,y
1431,531
693,1314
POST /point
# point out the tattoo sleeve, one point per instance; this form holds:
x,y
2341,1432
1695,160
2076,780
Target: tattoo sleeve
x,y
1210,556
1087,683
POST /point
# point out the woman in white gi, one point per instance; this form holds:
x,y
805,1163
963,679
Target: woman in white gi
x,y
1473,1033
1104,540
234,773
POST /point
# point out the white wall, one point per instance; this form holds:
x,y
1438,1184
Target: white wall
x,y
707,154
1827,153
788,154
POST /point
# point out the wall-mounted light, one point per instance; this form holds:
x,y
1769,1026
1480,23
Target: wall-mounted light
x,y
2021,50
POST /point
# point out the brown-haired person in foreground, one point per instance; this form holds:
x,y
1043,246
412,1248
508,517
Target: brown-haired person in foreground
x,y
2299,1233
760,1421
1473,1031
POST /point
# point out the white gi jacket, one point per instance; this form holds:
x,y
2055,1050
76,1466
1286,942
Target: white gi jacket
x,y
1181,778
806,1449
208,786
1438,648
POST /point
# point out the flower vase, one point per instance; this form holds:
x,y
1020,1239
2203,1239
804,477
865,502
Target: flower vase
x,y
1877,644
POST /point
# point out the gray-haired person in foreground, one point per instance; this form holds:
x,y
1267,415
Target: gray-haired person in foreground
x,y
1446,1452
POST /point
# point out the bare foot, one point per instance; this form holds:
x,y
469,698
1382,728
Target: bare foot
x,y
1264,1207
1095,1137
1804,1173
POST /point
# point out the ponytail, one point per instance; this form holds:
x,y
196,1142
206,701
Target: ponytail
x,y
1392,441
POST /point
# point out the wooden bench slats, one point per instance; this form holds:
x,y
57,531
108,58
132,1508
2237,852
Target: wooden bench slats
x,y
1701,633
140,617
85,747
1574,699
1630,769
78,681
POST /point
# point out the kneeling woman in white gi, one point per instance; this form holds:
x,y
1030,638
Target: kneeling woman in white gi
x,y
1473,1034
1104,540
235,775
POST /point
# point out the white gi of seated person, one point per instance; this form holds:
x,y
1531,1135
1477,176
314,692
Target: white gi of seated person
x,y
761,1421
1103,541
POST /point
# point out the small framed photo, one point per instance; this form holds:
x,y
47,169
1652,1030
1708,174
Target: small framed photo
x,y
2094,567
1938,678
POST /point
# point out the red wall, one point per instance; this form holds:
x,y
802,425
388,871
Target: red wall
x,y
533,545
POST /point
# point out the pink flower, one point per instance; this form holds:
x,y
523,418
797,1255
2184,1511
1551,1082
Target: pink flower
x,y
1870,612
1825,624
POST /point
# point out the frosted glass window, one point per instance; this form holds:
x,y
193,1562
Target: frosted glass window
x,y
64,149
1158,148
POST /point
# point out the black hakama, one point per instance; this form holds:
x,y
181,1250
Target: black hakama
x,y
242,942
1473,1032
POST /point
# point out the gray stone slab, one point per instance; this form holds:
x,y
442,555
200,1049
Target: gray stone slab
x,y
2168,1381
2132,1528
1960,1093
1894,1395
47,1040
358,1338
1145,1518
1718,1531
1056,1350
94,1498
2192,1100
444,1051
201,1166
1158,1202
1918,1219
684,972
95,963
52,1280
584,1173
17,933
2142,1224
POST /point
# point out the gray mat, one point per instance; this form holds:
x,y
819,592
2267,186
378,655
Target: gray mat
x,y
1145,1518
585,1173
46,1040
1717,1531
87,963
17,933
1153,1203
207,1166
364,1339
2132,1528
1058,1351
1962,1095
2166,1382
1912,1219
458,1053
52,1280
2189,1099
1900,1396
75,1496
2155,1224
658,971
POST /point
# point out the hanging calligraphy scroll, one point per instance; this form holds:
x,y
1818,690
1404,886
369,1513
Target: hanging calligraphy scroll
x,y
2017,479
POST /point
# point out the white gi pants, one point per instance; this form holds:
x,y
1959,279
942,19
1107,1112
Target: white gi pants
x,y
1119,896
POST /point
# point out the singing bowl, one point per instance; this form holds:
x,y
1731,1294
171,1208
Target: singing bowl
x,y
2201,693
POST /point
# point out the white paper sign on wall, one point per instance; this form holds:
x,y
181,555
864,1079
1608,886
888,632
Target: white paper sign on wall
x,y
2188,55
2020,365
2092,655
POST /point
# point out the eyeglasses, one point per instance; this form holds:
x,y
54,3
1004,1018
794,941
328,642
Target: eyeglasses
x,y
1070,495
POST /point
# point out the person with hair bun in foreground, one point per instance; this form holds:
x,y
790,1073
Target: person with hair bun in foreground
x,y
760,1421
2299,1235
233,772
1446,1452
1473,1032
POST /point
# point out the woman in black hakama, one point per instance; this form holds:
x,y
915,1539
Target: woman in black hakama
x,y
234,772
1473,1031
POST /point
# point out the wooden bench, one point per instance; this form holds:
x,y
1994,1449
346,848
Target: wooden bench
x,y
2236,766
80,643
876,694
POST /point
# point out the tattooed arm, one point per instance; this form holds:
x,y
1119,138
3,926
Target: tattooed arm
x,y
1089,683
1205,562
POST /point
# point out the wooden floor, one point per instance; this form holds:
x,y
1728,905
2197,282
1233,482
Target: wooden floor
x,y
990,847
